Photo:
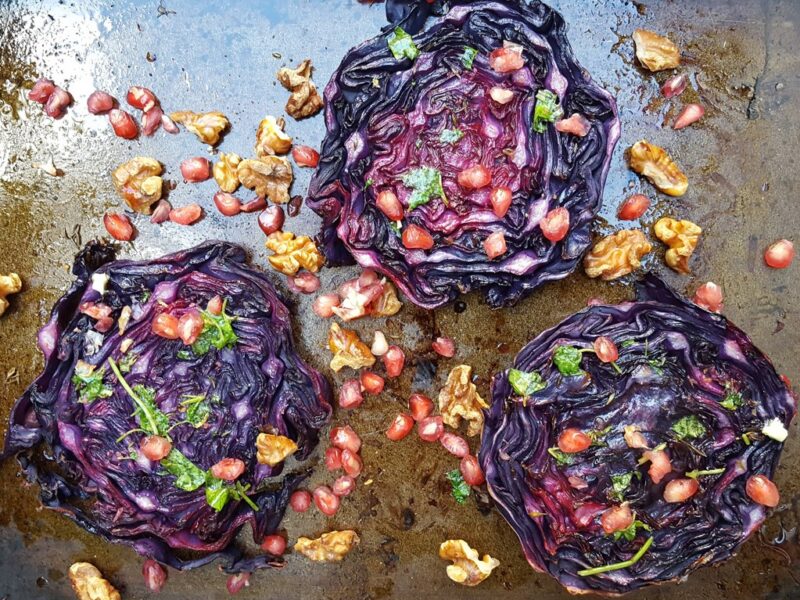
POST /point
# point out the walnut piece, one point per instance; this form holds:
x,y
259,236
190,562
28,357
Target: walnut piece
x,y
348,350
329,547
206,126
268,176
293,253
138,183
273,449
9,284
682,238
305,99
226,172
459,399
88,583
656,52
617,254
388,304
654,163
270,137
467,568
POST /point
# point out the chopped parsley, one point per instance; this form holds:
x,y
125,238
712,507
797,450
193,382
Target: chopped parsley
x,y
88,382
629,533
689,427
562,458
196,409
218,493
468,56
217,332
149,416
732,401
524,383
620,482
126,362
397,227
567,360
189,476
620,565
450,136
695,474
426,183
547,110
460,489
402,45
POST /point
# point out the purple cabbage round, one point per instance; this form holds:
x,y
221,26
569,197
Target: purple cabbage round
x,y
70,444
682,368
385,118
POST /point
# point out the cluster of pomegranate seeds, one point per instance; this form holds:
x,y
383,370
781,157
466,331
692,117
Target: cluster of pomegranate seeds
x,y
119,226
55,99
342,454
155,576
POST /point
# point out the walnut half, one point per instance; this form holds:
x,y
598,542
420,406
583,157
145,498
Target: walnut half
x,y
270,137
654,163
273,449
206,126
459,399
348,349
656,52
88,583
329,547
681,237
293,253
305,99
9,284
468,567
268,176
617,254
226,172
138,183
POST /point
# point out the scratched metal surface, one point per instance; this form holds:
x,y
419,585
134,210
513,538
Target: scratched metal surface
x,y
744,59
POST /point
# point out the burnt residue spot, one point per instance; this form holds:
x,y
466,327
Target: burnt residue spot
x,y
408,519
293,208
460,306
482,500
389,558
424,375
372,503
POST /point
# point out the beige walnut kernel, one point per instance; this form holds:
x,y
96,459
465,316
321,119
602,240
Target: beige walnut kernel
x,y
617,254
681,237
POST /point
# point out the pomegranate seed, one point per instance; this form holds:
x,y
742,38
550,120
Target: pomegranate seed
x,y
352,463
161,212
420,406
660,464
780,254
576,125
501,95
254,205
104,325
215,305
350,394
271,219
186,215
190,326
372,383
555,224
119,226
444,346
345,438
379,344
327,502
393,360
674,86
501,201
169,125
141,98
100,103
454,444
616,518
691,113
229,469
709,296
389,205
760,489
95,310
495,245
41,90
416,238
304,283
166,326
506,59
474,177
680,490
430,429
577,482
151,121
123,124
274,545
196,169
634,207
573,440
471,470
606,349
236,582
57,103
344,485
300,501
155,447
305,156
228,204
324,304
333,458
400,427
155,576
